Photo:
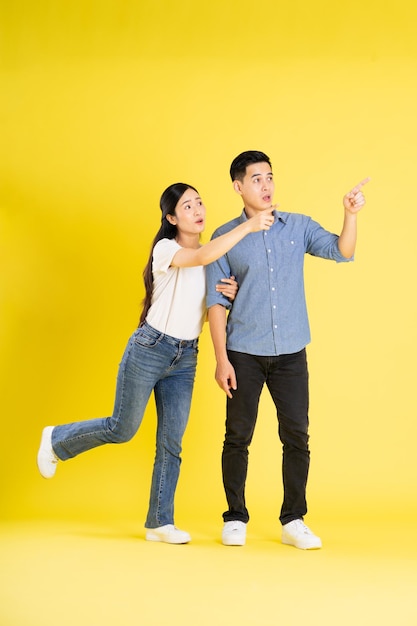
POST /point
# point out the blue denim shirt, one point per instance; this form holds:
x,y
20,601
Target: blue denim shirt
x,y
269,315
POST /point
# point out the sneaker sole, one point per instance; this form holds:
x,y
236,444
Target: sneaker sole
x,y
233,541
299,546
157,538
46,468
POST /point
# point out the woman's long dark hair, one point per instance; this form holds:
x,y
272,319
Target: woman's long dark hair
x,y
167,203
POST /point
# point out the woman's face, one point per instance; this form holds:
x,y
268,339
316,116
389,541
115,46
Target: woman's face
x,y
190,213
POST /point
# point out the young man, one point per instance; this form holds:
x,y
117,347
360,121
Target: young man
x,y
263,339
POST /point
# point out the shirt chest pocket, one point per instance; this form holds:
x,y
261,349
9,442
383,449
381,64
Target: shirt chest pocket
x,y
288,253
291,247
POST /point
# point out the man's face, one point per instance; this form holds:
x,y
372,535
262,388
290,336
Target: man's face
x,y
257,188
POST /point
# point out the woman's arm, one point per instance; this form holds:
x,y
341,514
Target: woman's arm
x,y
214,249
228,287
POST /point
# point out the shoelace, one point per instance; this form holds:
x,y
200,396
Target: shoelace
x,y
302,527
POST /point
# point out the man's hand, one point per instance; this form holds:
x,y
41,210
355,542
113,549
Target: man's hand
x,y
228,287
226,377
355,200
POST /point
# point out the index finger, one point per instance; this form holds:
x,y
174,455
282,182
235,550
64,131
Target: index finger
x,y
361,184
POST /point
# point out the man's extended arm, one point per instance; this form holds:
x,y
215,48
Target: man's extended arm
x,y
352,202
225,373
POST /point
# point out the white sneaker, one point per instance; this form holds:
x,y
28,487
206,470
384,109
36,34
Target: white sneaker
x,y
234,533
297,534
167,534
47,459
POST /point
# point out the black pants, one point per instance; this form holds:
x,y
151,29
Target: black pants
x,y
286,377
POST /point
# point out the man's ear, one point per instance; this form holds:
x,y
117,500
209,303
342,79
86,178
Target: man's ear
x,y
171,219
236,187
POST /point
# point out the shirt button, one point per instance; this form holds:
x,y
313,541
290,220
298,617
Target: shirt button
x,y
275,326
273,288
292,243
272,269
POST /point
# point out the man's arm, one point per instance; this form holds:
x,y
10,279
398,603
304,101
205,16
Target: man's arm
x,y
225,373
352,202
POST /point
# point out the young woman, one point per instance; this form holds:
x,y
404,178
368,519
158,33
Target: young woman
x,y
161,355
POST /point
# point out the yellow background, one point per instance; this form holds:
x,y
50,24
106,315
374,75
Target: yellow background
x,y
103,105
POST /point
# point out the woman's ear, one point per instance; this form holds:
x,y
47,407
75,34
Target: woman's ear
x,y
171,219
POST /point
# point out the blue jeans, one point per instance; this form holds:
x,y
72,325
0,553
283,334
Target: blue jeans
x,y
286,377
154,362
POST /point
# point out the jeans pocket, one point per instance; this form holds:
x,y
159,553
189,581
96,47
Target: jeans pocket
x,y
147,336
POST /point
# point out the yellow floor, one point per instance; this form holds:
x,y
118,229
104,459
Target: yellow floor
x,y
69,573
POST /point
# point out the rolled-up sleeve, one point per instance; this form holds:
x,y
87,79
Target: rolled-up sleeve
x,y
214,273
322,243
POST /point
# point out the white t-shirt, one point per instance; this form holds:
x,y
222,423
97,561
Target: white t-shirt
x,y
178,304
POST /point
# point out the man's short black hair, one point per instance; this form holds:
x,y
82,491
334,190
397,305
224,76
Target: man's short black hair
x,y
241,162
